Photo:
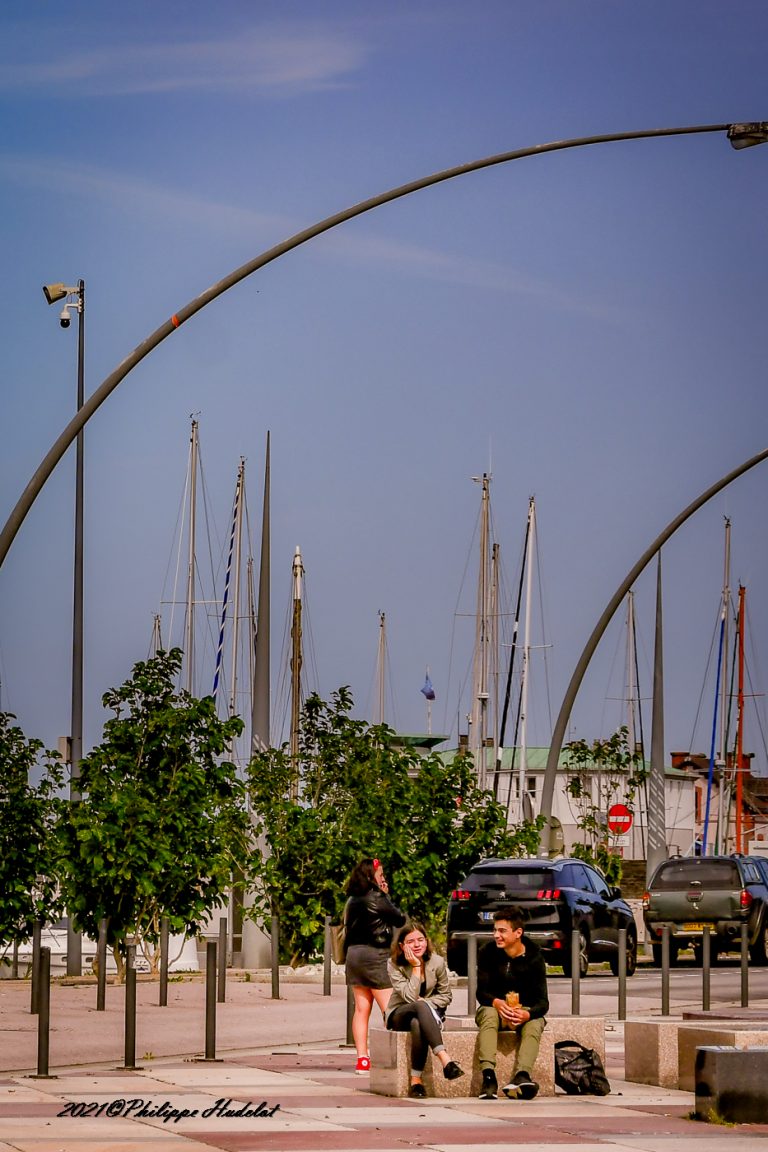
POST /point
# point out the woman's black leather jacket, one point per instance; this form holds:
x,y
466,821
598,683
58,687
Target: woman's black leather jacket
x,y
371,918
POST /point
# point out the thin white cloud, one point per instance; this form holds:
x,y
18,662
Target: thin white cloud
x,y
260,61
128,194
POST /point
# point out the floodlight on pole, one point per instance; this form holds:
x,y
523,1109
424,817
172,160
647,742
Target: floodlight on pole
x,y
75,300
748,135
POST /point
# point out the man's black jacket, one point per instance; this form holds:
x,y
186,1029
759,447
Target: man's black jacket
x,y
497,974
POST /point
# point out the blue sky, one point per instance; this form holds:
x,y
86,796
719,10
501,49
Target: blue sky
x,y
589,325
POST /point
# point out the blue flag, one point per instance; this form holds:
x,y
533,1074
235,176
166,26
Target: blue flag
x,y
428,690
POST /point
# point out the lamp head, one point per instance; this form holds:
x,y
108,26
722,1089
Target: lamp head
x,y
54,292
747,135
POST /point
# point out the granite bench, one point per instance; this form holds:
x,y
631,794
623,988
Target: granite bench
x,y
391,1066
663,1052
732,1084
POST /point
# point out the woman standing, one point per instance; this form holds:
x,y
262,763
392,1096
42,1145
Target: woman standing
x,y
369,919
421,994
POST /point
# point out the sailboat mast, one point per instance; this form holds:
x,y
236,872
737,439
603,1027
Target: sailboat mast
x,y
523,768
157,637
381,667
724,697
260,705
189,641
480,677
740,728
494,646
631,736
511,666
239,500
298,572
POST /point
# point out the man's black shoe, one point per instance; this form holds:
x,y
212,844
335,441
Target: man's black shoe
x,y
490,1086
521,1087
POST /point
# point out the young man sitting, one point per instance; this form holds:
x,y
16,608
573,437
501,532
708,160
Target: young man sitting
x,y
512,993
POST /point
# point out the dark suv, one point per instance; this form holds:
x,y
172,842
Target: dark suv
x,y
689,893
557,897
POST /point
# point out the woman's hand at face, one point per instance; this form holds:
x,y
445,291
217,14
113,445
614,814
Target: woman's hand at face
x,y
414,961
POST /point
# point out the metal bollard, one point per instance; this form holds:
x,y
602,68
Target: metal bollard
x,y
275,949
36,931
350,1039
744,965
575,973
164,934
471,974
210,1000
44,1013
665,970
101,964
327,957
622,973
222,954
129,1062
706,967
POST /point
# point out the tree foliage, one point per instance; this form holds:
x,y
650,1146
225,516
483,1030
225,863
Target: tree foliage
x,y
162,821
28,846
360,794
601,774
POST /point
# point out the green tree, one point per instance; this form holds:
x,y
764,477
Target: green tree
x,y
359,794
28,844
162,822
600,775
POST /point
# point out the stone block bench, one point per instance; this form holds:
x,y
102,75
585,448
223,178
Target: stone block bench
x,y
732,1084
391,1056
663,1052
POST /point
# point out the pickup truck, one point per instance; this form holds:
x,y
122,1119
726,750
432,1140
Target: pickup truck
x,y
723,892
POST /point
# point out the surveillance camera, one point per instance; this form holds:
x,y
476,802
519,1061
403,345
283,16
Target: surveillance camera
x,y
64,319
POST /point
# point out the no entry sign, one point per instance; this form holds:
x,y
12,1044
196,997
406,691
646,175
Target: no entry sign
x,y
619,818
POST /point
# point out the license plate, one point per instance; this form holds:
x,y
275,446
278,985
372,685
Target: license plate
x,y
695,927
486,915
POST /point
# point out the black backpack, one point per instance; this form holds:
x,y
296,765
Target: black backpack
x,y
579,1070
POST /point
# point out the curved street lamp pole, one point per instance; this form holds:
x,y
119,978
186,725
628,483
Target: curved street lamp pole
x,y
561,724
740,135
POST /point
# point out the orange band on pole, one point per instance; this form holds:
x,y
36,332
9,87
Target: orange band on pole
x,y
175,320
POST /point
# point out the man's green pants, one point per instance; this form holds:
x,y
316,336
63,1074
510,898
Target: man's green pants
x,y
489,1023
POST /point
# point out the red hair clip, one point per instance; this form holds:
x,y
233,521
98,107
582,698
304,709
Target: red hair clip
x,y
377,863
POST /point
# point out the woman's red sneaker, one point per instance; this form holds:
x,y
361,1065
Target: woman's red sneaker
x,y
363,1065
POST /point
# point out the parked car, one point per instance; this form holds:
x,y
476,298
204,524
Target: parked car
x,y
689,893
558,897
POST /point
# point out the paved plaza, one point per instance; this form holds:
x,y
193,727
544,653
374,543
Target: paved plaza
x,y
283,1082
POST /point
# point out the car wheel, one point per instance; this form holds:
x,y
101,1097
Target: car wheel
x,y
758,953
613,959
583,956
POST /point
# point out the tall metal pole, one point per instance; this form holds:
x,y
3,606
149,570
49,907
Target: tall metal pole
x,y
74,939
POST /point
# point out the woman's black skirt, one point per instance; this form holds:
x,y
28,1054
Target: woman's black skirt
x,y
367,966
